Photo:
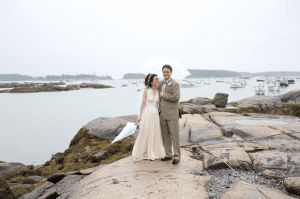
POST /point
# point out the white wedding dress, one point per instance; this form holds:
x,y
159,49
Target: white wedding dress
x,y
149,144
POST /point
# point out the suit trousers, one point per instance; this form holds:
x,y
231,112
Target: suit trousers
x,y
170,135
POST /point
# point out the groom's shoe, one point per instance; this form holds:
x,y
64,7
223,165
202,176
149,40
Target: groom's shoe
x,y
175,161
166,158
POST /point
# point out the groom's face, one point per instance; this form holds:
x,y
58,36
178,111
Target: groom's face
x,y
167,73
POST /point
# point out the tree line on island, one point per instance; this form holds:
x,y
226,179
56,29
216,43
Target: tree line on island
x,y
18,77
220,74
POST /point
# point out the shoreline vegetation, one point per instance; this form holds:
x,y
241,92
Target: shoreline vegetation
x,y
265,149
47,87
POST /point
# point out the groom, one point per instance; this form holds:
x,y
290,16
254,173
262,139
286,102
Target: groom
x,y
169,115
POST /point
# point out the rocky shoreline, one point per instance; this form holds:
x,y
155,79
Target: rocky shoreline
x,y
258,137
46,87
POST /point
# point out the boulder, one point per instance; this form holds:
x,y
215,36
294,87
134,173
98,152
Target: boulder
x,y
220,96
235,157
99,156
201,101
269,160
38,191
5,191
10,169
190,109
292,185
108,127
55,178
291,95
244,190
273,174
37,178
63,186
220,103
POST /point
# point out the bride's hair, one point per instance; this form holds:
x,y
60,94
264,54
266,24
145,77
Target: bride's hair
x,y
149,79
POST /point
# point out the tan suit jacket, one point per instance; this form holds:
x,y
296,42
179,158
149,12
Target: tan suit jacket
x,y
168,104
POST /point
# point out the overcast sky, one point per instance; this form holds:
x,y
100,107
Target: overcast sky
x,y
41,37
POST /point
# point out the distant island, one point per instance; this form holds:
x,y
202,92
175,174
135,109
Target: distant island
x,y
63,77
221,74
134,76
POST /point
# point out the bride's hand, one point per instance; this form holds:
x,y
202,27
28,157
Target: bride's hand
x,y
138,120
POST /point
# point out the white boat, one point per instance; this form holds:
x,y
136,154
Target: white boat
x,y
259,90
236,84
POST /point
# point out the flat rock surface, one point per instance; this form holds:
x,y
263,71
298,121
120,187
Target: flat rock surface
x,y
235,157
134,178
269,160
255,131
244,190
203,130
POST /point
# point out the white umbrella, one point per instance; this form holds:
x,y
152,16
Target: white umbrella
x,y
128,130
155,66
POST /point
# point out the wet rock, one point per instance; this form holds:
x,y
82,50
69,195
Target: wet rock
x,y
235,157
5,191
273,174
292,185
108,127
10,169
241,189
220,96
269,160
226,120
38,191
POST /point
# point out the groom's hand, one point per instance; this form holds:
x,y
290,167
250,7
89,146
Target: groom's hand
x,y
162,93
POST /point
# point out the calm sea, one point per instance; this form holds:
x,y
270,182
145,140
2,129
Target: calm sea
x,y
36,125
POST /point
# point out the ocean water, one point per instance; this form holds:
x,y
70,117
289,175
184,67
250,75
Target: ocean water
x,y
34,126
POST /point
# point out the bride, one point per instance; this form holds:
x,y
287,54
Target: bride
x,y
148,144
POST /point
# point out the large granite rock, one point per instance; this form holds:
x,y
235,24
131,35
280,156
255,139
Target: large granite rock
x,y
244,190
10,169
108,127
203,131
134,178
291,95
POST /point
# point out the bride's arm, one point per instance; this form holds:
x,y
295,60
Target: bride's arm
x,y
142,105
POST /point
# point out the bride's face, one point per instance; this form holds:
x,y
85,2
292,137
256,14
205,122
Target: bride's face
x,y
155,81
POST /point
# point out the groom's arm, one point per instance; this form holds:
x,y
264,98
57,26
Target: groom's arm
x,y
175,96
